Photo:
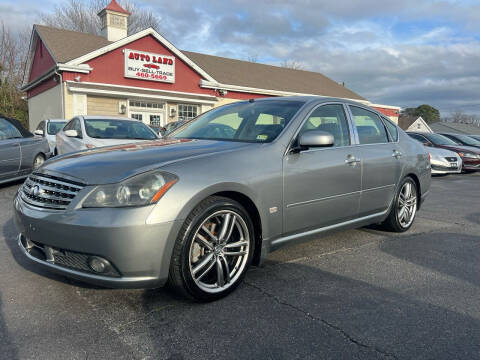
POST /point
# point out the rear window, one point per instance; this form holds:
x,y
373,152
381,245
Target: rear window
x,y
118,129
55,127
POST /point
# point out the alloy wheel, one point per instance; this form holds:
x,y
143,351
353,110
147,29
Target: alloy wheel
x,y
219,251
407,204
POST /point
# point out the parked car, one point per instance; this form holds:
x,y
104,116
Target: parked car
x,y
444,161
87,132
476,137
463,139
20,151
49,129
198,207
470,155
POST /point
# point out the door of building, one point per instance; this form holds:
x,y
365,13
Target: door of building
x,y
150,113
152,119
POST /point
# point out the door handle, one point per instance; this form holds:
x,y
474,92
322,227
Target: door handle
x,y
397,154
351,160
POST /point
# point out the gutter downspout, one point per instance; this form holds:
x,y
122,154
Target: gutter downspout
x,y
62,92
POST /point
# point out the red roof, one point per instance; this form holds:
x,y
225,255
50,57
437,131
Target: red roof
x,y
113,6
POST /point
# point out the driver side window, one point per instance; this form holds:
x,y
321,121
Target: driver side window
x,y
329,118
77,126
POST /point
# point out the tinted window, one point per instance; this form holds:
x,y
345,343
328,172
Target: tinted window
x,y
257,121
41,126
8,131
392,129
438,139
329,118
54,127
467,140
78,127
369,126
118,129
418,138
69,125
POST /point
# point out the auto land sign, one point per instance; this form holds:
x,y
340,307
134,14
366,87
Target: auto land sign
x,y
149,66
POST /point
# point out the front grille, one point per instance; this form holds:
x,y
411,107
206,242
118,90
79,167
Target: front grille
x,y
451,159
50,192
64,258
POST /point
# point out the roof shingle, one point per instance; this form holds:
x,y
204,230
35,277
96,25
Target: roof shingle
x,y
66,45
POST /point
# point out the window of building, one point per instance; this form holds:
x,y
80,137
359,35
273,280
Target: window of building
x,y
187,112
145,104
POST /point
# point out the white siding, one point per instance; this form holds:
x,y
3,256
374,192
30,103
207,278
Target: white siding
x,y
47,105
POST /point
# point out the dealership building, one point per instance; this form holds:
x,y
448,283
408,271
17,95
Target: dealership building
x,y
144,76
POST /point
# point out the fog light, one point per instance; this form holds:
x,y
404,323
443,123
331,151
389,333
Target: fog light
x,y
97,264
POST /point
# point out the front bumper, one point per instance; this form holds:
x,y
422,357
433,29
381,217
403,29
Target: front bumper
x,y
471,164
139,253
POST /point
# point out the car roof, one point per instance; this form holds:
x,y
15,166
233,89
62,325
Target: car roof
x,y
56,120
98,117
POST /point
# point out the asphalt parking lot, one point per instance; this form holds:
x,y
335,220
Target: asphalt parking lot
x,y
360,294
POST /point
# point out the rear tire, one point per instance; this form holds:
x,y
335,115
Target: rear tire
x,y
404,207
213,250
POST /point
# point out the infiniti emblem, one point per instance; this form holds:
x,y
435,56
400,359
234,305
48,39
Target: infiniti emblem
x,y
37,190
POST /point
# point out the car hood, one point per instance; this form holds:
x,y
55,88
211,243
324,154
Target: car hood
x,y
115,163
441,152
462,148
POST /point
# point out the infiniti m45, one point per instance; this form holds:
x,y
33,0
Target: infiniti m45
x,y
197,208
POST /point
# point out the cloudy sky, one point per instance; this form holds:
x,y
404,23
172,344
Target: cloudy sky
x,y
398,52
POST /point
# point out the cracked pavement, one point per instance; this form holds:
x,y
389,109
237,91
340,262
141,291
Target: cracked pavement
x,y
358,294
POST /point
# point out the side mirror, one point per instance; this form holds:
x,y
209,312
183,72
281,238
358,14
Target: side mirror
x,y
38,132
71,133
427,143
316,138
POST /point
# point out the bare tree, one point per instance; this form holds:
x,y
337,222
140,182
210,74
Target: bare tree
x,y
292,64
13,55
458,116
82,16
252,58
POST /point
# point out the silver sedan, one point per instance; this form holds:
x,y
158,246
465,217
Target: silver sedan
x,y
20,151
220,193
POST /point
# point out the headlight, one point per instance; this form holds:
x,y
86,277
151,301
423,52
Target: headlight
x,y
469,155
139,190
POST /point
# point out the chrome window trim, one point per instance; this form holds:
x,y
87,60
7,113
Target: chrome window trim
x,y
384,119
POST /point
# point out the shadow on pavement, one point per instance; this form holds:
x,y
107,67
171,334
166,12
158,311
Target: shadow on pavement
x,y
8,350
453,254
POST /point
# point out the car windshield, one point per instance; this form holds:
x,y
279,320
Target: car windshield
x,y
467,140
118,129
253,121
55,127
438,139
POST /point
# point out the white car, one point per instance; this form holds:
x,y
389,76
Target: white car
x,y
49,129
86,132
444,161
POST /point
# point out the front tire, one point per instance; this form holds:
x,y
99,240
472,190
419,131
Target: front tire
x,y
404,207
213,250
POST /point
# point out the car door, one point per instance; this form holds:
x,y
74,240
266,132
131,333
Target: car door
x,y
322,185
9,150
381,161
